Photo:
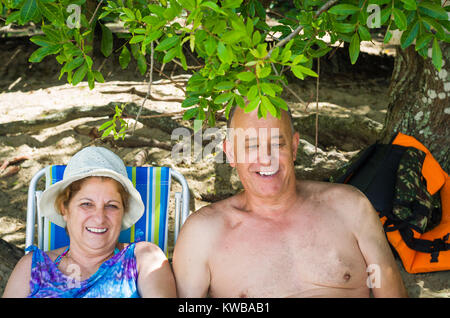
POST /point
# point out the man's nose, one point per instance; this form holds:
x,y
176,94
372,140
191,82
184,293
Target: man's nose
x,y
265,155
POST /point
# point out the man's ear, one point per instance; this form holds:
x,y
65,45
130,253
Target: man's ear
x,y
229,151
295,142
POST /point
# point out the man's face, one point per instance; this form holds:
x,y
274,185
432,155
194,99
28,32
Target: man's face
x,y
263,152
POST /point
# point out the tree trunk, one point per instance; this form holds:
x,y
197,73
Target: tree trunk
x,y
420,102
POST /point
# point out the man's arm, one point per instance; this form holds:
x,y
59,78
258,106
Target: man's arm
x,y
382,269
190,258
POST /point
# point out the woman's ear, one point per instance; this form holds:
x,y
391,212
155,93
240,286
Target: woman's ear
x,y
63,210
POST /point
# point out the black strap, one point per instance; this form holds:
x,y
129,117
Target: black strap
x,y
425,246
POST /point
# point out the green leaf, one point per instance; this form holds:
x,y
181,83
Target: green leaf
x,y
410,4
265,102
188,4
129,13
190,101
223,86
91,80
256,38
387,37
142,64
423,40
299,59
343,9
297,72
108,131
231,37
354,48
267,89
264,72
98,77
190,113
344,27
436,55
364,33
253,92
303,70
73,64
105,125
400,19
154,35
107,41
167,43
409,35
124,58
79,74
232,4
42,40
210,45
433,23
137,39
42,52
52,33
246,76
170,55
213,6
279,102
252,105
433,10
28,10
224,53
52,12
222,98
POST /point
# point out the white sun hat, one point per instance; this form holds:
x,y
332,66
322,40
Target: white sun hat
x,y
90,162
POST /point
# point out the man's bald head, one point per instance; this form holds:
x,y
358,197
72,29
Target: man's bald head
x,y
233,111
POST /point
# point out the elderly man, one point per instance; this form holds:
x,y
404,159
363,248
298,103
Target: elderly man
x,y
282,237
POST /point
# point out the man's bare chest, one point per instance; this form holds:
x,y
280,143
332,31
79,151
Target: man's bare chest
x,y
285,260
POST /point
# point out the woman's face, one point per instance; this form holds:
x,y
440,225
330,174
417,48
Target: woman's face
x,y
94,214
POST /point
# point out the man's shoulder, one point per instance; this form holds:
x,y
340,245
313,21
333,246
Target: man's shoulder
x,y
341,198
209,217
217,210
320,189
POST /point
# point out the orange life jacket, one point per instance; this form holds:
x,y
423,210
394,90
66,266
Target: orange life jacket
x,y
437,180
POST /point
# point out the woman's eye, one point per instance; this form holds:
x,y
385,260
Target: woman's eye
x,y
86,204
112,206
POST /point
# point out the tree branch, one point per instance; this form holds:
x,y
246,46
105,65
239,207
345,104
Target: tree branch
x,y
324,8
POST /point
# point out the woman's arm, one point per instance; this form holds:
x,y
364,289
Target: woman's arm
x,y
18,285
155,277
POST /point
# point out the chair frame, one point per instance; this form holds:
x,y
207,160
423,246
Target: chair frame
x,y
181,207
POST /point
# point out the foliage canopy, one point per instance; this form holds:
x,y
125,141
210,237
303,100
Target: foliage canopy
x,y
244,58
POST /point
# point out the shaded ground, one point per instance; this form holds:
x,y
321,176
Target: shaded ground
x,y
33,91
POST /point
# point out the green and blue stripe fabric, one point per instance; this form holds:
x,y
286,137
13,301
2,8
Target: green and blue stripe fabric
x,y
153,184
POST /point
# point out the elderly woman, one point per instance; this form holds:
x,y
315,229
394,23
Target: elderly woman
x,y
94,201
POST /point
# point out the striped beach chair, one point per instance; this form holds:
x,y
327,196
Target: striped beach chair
x,y
153,184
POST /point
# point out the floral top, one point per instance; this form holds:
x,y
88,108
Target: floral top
x,y
115,278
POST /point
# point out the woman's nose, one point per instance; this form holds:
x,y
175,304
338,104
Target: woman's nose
x,y
100,212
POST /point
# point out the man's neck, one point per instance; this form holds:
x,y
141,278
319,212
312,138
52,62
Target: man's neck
x,y
272,206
